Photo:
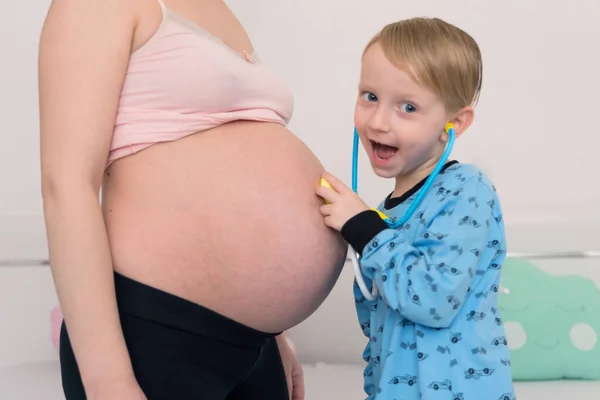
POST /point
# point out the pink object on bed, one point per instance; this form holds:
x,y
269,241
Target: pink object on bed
x,y
56,319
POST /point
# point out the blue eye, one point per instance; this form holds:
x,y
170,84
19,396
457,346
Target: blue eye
x,y
370,97
408,108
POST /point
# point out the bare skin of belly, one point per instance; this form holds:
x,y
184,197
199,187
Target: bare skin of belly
x,y
227,218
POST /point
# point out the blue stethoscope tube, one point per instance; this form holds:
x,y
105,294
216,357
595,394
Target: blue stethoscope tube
x,y
372,295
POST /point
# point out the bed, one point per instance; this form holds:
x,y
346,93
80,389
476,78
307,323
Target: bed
x,y
331,356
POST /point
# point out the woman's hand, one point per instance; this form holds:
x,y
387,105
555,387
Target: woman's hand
x,y
342,202
293,370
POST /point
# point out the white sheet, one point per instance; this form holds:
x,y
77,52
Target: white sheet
x,y
344,382
41,381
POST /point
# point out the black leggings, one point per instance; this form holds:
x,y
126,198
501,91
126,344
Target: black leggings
x,y
183,351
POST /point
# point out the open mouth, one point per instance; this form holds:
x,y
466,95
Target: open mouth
x,y
383,151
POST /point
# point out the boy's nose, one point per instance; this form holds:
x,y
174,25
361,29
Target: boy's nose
x,y
380,120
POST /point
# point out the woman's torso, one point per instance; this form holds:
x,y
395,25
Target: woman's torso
x,y
226,217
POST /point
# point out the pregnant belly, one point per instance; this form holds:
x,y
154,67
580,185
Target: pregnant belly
x,y
229,219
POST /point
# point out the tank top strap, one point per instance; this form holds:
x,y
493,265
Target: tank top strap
x,y
162,5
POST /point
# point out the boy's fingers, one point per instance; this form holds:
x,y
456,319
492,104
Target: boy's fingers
x,y
325,209
335,183
327,194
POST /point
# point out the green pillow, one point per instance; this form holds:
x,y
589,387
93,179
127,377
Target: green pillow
x,y
551,323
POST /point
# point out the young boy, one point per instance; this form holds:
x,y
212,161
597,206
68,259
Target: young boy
x,y
434,329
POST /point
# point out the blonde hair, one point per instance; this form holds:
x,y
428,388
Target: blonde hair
x,y
437,55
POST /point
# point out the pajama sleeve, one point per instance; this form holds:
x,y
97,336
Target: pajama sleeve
x,y
426,278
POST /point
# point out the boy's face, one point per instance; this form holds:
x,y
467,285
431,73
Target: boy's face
x,y
399,122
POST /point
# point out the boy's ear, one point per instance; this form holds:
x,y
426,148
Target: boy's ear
x,y
462,119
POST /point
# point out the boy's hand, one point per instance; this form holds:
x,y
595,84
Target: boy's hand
x,y
343,203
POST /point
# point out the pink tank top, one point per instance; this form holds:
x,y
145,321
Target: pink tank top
x,y
184,80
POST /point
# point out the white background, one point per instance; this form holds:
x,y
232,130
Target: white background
x,y
536,132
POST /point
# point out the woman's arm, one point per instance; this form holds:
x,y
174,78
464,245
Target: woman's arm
x,y
83,57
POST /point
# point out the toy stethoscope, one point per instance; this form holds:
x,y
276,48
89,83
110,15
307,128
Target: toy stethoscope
x,y
449,128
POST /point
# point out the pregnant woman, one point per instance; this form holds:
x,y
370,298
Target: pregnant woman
x,y
208,241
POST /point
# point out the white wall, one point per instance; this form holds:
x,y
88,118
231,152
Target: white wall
x,y
535,133
19,152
